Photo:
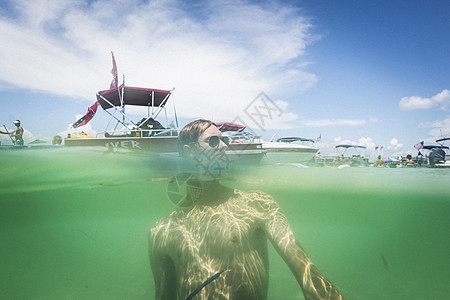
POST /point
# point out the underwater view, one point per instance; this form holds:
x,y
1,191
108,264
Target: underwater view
x,y
74,224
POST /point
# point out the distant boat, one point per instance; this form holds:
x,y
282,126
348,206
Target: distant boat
x,y
284,150
422,158
290,150
439,156
36,142
351,155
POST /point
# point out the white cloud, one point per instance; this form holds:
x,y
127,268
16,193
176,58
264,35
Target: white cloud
x,y
394,145
394,149
438,128
362,141
329,148
415,102
222,57
262,113
85,128
336,122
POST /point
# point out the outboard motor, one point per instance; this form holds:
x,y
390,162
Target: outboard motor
x,y
436,155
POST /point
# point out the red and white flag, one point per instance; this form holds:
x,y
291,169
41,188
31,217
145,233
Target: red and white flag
x,y
115,81
87,117
419,146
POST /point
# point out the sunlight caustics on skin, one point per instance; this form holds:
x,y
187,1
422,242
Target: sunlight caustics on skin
x,y
230,236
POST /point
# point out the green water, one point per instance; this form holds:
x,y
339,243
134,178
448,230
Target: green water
x,y
74,225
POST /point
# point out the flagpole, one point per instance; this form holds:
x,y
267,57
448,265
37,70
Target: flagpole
x,y
160,108
163,103
175,111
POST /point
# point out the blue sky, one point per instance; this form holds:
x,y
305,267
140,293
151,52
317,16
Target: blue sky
x,y
373,73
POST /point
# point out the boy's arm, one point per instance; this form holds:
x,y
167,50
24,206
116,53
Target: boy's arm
x,y
163,270
313,283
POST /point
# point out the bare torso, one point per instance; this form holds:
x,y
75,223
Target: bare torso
x,y
207,239
18,133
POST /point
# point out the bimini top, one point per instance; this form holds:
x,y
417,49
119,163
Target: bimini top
x,y
443,139
228,126
429,147
350,146
133,96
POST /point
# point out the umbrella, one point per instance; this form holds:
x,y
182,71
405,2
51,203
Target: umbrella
x,y
390,160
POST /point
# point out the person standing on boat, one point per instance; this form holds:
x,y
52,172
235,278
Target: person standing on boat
x,y
149,126
16,134
214,245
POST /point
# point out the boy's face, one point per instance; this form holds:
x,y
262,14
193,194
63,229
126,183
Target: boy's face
x,y
211,140
209,151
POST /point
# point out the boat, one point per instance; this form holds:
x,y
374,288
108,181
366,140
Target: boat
x,y
439,156
421,159
147,134
288,150
246,149
346,155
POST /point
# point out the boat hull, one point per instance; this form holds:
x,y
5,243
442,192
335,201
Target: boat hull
x,y
285,155
248,153
445,164
164,144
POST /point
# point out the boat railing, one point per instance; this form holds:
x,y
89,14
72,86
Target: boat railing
x,y
139,133
243,137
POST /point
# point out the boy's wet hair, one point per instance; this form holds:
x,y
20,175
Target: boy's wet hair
x,y
191,132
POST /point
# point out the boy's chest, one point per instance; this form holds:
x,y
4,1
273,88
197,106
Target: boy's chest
x,y
217,232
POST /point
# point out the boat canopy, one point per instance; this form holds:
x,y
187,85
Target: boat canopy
x,y
429,147
294,139
350,146
443,139
132,96
228,126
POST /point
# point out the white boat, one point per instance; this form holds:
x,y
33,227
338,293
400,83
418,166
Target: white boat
x,y
288,150
147,134
133,135
439,157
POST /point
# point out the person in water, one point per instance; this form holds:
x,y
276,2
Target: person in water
x,y
217,239
57,140
410,162
16,134
379,162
